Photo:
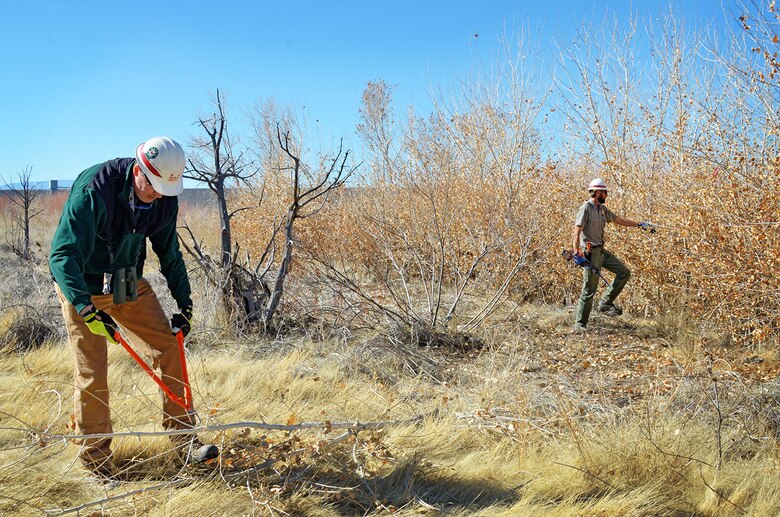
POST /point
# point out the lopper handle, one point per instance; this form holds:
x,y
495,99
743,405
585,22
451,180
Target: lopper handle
x,y
184,374
171,395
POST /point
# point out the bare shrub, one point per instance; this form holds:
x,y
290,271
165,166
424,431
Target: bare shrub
x,y
22,328
435,236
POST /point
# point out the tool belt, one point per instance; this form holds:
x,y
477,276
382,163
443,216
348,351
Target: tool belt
x,y
122,283
589,247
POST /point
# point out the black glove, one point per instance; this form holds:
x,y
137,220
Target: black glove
x,y
181,321
100,323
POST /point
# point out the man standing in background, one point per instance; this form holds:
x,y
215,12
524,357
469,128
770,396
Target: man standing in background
x,y
588,239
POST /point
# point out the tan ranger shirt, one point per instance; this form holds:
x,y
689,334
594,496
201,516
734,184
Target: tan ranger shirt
x,y
593,218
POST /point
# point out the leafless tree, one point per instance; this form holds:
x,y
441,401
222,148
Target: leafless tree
x,y
221,168
23,196
307,190
598,92
248,282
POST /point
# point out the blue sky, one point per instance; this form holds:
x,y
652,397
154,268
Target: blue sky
x,y
87,81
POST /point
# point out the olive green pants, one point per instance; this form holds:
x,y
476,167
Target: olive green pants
x,y
602,259
146,327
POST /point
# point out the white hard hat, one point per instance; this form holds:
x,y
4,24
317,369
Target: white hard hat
x,y
598,184
162,160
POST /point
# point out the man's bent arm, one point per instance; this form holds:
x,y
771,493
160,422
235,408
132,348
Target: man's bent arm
x,y
165,244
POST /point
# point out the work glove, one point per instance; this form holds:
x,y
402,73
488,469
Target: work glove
x,y
101,324
646,226
181,321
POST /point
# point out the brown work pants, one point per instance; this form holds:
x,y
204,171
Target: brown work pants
x,y
147,329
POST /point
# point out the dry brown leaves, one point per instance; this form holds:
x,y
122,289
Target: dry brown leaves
x,y
614,362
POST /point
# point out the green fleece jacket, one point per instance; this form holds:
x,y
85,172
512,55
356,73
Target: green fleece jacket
x,y
99,232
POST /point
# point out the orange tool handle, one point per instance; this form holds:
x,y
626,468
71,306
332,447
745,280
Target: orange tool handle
x,y
171,395
184,375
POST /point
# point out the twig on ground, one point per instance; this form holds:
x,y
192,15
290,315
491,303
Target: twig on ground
x,y
586,472
719,494
118,497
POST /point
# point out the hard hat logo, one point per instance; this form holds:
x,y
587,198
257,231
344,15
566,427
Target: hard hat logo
x,y
163,161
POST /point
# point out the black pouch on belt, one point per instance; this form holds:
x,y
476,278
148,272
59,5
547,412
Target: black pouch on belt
x,y
125,285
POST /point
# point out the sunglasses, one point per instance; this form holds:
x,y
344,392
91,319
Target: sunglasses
x,y
148,183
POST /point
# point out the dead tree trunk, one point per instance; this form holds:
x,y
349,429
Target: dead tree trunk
x,y
284,267
319,188
218,167
23,196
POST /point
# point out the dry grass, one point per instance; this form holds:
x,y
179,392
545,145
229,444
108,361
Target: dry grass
x,y
500,435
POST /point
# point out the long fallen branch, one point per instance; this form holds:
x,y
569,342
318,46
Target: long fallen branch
x,y
46,437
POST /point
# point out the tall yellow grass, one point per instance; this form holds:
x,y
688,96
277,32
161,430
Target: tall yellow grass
x,y
492,440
